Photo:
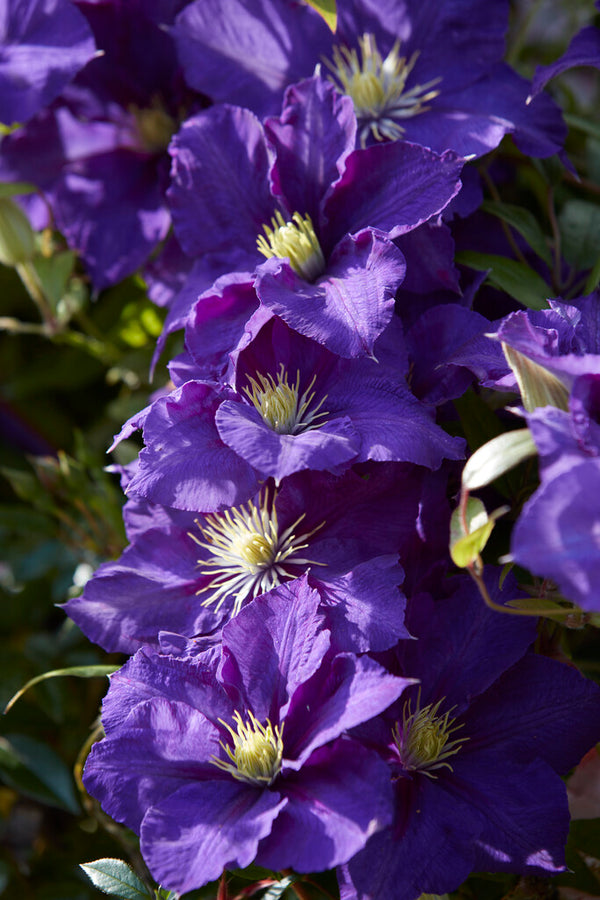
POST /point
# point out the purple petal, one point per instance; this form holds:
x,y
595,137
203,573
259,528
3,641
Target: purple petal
x,y
195,833
584,50
247,53
393,187
341,797
43,44
274,645
219,195
346,309
185,464
311,139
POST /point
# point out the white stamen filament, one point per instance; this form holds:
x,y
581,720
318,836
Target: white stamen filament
x,y
250,555
377,88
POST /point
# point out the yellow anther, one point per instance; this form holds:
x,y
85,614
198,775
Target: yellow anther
x,y
423,738
377,88
295,240
250,554
281,404
256,753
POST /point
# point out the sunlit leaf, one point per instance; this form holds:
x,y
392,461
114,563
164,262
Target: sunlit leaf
x,y
115,877
327,9
95,671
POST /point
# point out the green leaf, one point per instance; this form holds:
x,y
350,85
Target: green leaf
x,y
497,457
465,547
115,877
327,9
518,280
95,671
523,221
579,223
34,769
586,124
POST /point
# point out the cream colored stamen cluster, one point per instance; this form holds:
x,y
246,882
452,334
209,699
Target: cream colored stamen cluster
x,y
256,753
297,240
423,738
250,554
377,88
281,404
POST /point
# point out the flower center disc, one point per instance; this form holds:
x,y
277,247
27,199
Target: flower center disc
x,y
256,753
377,87
282,406
297,240
250,554
423,738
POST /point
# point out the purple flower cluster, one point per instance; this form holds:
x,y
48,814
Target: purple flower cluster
x,y
311,685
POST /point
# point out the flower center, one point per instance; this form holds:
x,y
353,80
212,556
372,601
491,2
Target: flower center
x,y
250,553
377,88
256,753
281,404
423,738
154,125
296,240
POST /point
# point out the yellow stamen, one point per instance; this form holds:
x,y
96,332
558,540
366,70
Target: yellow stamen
x,y
256,753
295,240
423,738
377,88
250,554
281,404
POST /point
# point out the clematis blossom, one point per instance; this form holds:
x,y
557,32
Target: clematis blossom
x,y
475,752
323,213
215,767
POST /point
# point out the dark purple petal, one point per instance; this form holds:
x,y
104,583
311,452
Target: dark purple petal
x,y
274,645
365,608
557,718
311,139
584,50
219,195
393,187
338,697
147,676
346,309
558,533
185,464
195,833
43,44
246,53
342,796
164,746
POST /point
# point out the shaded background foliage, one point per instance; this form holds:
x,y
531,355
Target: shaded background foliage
x,y
63,398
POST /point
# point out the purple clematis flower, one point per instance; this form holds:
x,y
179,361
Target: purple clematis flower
x,y
188,573
98,152
215,768
296,192
425,72
584,50
294,405
475,753
43,44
